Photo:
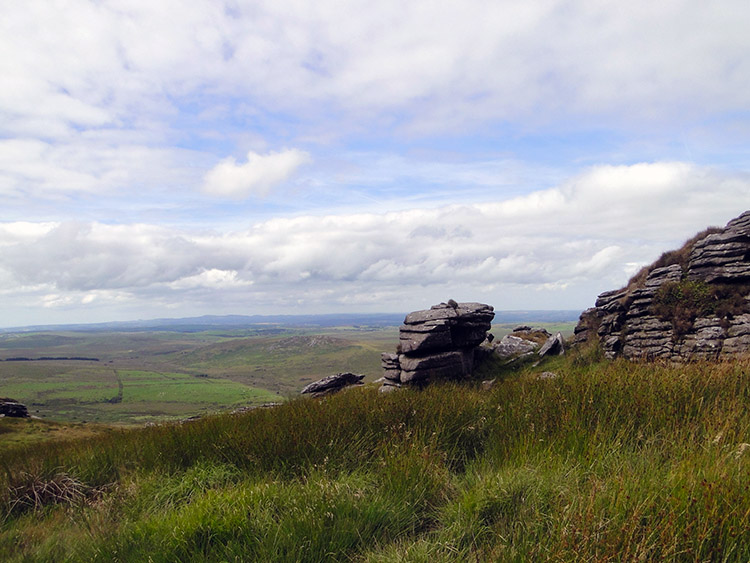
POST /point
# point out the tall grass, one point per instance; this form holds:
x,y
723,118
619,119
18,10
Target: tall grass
x,y
609,461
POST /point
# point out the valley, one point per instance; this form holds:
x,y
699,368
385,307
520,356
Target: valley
x,y
135,377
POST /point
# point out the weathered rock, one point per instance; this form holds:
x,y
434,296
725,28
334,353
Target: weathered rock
x,y
430,335
555,346
389,387
332,384
723,256
439,342
537,335
627,322
513,346
12,408
454,364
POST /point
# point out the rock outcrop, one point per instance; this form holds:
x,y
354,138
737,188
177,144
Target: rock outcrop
x,y
525,341
332,384
12,408
693,303
437,343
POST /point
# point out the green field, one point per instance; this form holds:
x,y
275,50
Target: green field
x,y
56,390
149,376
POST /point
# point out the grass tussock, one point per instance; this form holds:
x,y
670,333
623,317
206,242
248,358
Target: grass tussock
x,y
682,302
609,461
679,256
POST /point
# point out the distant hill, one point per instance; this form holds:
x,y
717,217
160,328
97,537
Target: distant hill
x,y
207,322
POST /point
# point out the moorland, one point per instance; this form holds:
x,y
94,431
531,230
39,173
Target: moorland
x,y
609,461
605,461
170,371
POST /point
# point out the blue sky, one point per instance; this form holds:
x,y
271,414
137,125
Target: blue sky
x,y
179,158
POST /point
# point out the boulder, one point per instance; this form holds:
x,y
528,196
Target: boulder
x,y
438,343
511,346
12,408
332,384
555,346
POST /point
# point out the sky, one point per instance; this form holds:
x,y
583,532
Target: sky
x,y
176,158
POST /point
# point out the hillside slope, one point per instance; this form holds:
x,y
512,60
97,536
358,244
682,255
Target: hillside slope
x,y
606,461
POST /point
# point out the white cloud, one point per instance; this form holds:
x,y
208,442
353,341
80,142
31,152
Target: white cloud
x,y
573,240
443,64
257,176
210,278
119,111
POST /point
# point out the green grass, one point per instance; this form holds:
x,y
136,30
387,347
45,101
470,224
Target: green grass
x,y
67,391
611,461
240,366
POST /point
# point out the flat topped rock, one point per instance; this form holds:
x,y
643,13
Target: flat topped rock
x,y
439,342
452,311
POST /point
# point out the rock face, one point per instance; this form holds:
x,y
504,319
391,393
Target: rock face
x,y
438,343
332,384
694,303
12,408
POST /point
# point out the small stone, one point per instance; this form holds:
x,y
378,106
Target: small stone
x,y
548,375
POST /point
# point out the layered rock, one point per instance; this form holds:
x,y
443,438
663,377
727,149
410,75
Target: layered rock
x,y
636,322
438,343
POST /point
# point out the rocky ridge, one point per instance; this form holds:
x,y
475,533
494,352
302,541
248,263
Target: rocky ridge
x,y
694,303
437,343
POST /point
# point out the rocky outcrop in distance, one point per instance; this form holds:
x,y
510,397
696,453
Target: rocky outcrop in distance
x,y
332,384
693,303
437,343
12,408
525,342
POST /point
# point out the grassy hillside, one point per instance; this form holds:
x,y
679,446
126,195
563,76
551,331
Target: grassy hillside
x,y
608,461
151,376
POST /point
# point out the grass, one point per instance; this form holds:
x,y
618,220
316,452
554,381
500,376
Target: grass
x,y
68,391
611,461
682,302
278,361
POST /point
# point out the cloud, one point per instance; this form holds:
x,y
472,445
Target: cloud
x,y
438,66
572,240
257,176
